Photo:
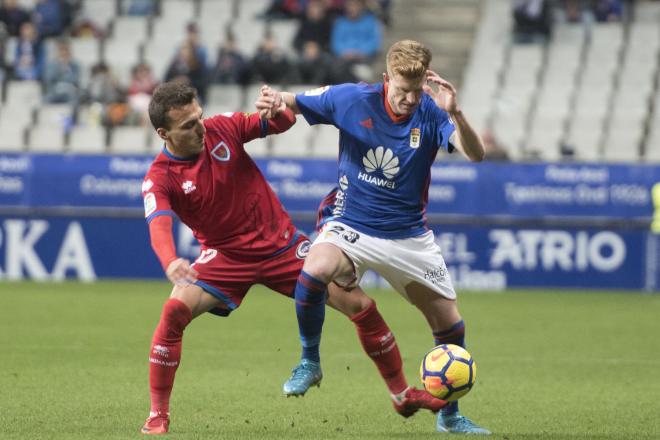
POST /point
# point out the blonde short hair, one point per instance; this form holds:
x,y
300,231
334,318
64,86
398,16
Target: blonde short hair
x,y
408,58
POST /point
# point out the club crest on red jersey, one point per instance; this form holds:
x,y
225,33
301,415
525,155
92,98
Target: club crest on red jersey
x,y
221,152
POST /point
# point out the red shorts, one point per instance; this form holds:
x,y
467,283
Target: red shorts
x,y
229,278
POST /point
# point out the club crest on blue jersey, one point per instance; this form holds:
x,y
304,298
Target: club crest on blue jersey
x,y
221,152
415,136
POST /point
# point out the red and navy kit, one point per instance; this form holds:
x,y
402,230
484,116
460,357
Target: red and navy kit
x,y
245,234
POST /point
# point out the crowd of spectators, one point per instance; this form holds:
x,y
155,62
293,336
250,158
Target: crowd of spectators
x,y
534,19
335,41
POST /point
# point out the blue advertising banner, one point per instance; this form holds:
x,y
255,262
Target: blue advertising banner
x,y
477,257
520,191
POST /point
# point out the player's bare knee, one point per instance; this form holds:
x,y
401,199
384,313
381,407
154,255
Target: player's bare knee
x,y
324,262
193,296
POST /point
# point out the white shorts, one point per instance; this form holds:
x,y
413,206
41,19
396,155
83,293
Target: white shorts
x,y
400,262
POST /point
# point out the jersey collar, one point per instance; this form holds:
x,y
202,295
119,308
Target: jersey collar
x,y
167,153
393,116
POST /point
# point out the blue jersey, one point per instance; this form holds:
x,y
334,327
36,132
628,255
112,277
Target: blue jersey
x,y
384,164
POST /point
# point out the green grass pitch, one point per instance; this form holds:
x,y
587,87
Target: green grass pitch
x,y
551,365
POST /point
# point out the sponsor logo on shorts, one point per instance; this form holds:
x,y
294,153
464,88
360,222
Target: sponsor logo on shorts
x,y
303,249
349,236
436,275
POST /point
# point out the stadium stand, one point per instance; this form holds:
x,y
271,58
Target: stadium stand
x,y
588,92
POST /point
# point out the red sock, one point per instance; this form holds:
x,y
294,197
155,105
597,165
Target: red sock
x,y
379,343
166,352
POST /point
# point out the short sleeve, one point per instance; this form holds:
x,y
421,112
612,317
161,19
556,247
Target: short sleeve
x,y
323,105
444,127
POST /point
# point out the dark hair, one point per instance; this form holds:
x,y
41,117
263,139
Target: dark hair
x,y
169,95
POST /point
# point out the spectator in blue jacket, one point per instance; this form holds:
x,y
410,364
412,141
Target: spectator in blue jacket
x,y
49,16
62,77
29,55
357,36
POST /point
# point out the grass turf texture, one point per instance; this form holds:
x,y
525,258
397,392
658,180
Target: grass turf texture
x,y
565,365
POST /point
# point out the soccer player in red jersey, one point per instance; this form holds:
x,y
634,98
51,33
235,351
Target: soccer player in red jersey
x,y
206,178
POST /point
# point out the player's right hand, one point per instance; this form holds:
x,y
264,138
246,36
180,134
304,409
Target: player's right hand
x,y
180,272
270,103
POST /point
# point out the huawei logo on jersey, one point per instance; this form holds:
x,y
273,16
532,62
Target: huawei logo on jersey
x,y
188,186
380,159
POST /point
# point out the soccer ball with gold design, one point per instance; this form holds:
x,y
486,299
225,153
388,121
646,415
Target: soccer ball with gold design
x,y
448,372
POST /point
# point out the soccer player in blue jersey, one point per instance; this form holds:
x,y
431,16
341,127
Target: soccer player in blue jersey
x,y
390,134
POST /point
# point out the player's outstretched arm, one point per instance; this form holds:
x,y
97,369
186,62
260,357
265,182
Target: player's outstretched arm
x,y
275,101
290,101
177,269
465,138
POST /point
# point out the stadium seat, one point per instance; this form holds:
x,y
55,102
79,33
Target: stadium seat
x,y
128,140
652,153
17,114
158,55
131,29
325,141
25,93
226,98
101,12
295,142
247,42
87,139
13,136
46,139
168,30
260,147
220,11
181,11
284,32
251,10
122,54
54,115
10,50
154,143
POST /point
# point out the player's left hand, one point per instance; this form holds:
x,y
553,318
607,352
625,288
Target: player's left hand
x,y
445,97
269,103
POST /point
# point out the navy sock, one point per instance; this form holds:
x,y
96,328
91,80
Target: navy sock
x,y
453,335
310,295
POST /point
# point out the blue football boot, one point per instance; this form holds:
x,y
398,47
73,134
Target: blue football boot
x,y
306,374
455,423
